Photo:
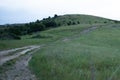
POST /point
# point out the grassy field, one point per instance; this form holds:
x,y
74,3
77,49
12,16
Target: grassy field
x,y
69,25
80,19
44,37
73,51
92,56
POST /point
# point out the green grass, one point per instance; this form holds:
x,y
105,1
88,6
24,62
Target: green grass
x,y
54,34
94,55
84,57
91,56
48,36
82,19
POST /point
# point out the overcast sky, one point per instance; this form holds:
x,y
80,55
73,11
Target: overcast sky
x,y
21,11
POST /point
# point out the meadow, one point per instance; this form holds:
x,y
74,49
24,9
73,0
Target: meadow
x,y
91,56
43,37
82,47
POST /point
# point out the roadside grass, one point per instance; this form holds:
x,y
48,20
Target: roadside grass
x,y
93,56
8,44
48,36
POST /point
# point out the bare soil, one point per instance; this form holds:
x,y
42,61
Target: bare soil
x,y
19,70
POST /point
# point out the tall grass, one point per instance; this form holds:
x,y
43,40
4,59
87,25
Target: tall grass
x,y
93,56
47,36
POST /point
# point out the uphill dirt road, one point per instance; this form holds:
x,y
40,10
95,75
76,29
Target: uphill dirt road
x,y
19,70
86,31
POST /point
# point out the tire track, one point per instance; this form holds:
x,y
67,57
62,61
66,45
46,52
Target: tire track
x,y
20,70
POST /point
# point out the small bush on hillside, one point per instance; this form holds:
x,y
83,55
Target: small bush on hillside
x,y
78,22
9,36
73,23
105,21
69,23
55,16
40,36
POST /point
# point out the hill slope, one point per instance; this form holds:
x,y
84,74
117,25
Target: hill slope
x,y
80,19
86,49
87,55
14,31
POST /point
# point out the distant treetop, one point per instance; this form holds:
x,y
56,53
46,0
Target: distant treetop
x,y
55,16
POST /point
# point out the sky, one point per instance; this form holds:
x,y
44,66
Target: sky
x,y
23,11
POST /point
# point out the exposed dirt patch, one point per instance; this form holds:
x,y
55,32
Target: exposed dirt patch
x,y
81,33
19,70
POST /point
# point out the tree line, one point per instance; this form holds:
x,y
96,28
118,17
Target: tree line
x,y
14,31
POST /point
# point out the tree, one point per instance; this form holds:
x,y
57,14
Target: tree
x,y
105,21
69,23
78,22
49,17
37,21
73,23
49,23
55,16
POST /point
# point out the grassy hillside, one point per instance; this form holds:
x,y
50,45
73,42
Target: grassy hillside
x,y
44,37
80,19
18,31
14,31
91,56
78,47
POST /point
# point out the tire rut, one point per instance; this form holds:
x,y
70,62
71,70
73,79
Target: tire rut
x,y
81,33
20,70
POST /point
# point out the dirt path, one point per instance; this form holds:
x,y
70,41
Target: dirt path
x,y
5,52
19,71
91,62
81,33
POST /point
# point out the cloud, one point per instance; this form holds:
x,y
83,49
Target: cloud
x,y
42,8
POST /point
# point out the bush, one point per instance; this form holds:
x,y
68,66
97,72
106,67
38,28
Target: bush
x,y
8,36
40,36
